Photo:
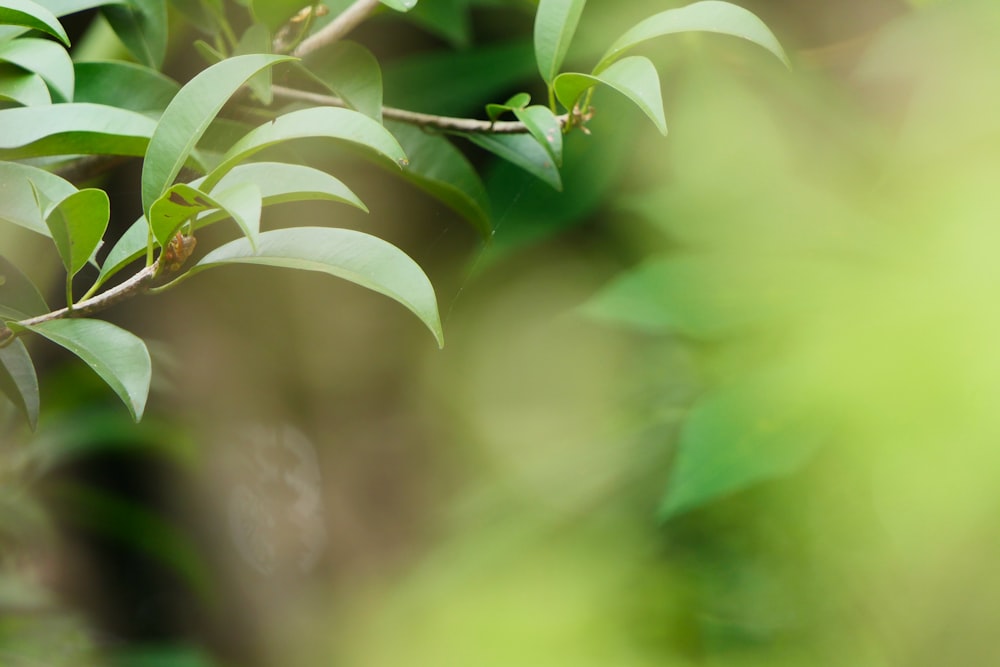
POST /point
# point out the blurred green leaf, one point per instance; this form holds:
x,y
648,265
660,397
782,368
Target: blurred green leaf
x,y
25,88
19,298
124,85
522,150
543,125
18,380
73,129
18,203
257,39
141,25
45,58
400,5
354,256
706,16
555,24
273,14
351,72
119,357
31,15
188,116
634,77
448,19
77,224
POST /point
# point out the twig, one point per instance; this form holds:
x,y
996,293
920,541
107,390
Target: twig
x,y
445,123
337,28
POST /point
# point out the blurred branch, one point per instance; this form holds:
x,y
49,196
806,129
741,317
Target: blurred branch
x,y
345,22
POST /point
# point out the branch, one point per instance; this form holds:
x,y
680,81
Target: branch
x,y
337,28
445,123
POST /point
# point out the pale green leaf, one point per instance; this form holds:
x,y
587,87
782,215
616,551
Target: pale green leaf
x,y
182,202
707,16
73,129
119,357
351,72
400,5
522,150
129,247
124,85
188,116
141,25
634,77
354,256
77,224
29,14
18,203
543,125
275,13
18,380
25,88
555,23
242,202
257,39
46,59
19,298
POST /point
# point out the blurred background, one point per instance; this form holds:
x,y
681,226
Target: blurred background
x,y
728,399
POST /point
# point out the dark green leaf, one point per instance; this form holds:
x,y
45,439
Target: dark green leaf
x,y
188,116
141,25
18,380
77,224
119,357
519,101
360,258
544,127
350,71
707,16
555,24
46,59
448,19
31,15
18,203
73,129
19,298
634,77
522,150
124,85
25,88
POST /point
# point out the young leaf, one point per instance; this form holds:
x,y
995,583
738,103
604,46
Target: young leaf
x,y
555,23
351,72
25,88
331,122
18,380
19,298
31,15
18,204
544,127
119,357
634,77
141,25
124,85
182,202
518,101
522,150
400,5
46,59
188,116
73,129
77,224
360,258
706,16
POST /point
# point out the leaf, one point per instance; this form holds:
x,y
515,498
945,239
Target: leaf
x,y
707,16
119,357
274,14
329,122
351,72
400,5
518,101
188,116
77,224
522,150
141,25
31,15
25,88
18,380
257,39
127,249
18,204
124,85
634,77
543,125
19,298
73,129
203,16
441,170
448,19
360,258
555,23
45,58
182,202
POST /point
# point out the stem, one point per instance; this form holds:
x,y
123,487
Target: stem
x,y
345,22
447,123
69,290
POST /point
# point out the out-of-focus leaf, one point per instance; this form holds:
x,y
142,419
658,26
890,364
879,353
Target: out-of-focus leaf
x,y
555,24
17,194
141,25
46,59
119,357
360,258
544,127
400,5
200,14
446,18
73,129
124,85
441,170
77,224
25,88
257,39
275,13
19,298
706,16
522,150
342,124
350,71
18,380
31,15
65,7
188,116
634,77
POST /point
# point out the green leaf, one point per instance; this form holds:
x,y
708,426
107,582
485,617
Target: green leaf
x,y
555,23
127,249
19,298
18,204
46,59
257,39
400,5
274,14
25,88
360,258
188,116
182,203
543,125
518,101
634,77
31,15
202,15
522,150
141,25
73,129
343,124
124,85
441,170
707,16
351,72
448,19
18,380
119,357
77,224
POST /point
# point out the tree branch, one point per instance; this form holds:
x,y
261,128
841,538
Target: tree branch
x,y
345,22
444,123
